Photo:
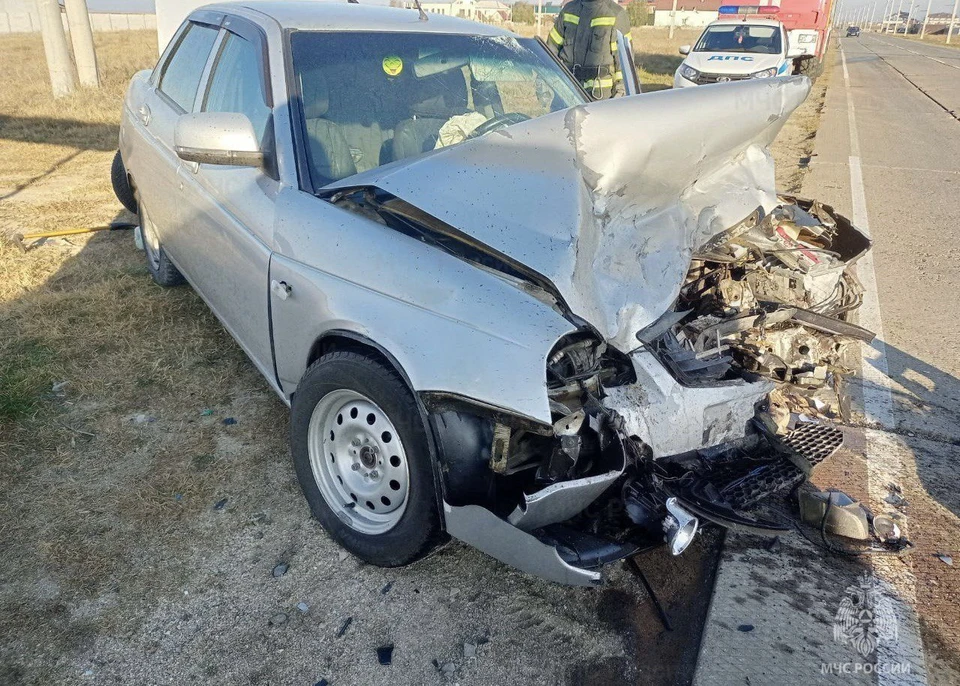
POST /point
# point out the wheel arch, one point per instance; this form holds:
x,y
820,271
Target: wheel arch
x,y
342,340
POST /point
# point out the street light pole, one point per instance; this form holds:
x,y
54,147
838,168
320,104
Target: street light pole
x,y
81,35
673,18
926,17
953,18
896,24
55,48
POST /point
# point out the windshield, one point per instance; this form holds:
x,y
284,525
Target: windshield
x,y
373,98
740,38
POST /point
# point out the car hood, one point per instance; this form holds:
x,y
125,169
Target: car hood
x,y
731,62
608,200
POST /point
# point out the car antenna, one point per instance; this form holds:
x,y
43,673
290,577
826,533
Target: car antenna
x,y
423,15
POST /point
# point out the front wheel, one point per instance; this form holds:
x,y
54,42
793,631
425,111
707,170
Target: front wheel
x,y
161,268
361,456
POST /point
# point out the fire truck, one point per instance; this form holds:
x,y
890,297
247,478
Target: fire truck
x,y
808,28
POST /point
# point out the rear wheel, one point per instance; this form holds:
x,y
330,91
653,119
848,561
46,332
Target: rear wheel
x,y
163,271
361,455
121,185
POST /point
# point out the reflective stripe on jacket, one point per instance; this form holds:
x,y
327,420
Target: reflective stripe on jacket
x,y
584,37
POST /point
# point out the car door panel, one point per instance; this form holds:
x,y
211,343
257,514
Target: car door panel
x,y
227,211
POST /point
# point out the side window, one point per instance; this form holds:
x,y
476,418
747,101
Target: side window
x,y
181,76
237,83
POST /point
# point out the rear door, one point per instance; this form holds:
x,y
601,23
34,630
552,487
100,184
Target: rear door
x,y
228,211
173,92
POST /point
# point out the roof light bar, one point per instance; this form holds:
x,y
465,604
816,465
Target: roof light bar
x,y
748,9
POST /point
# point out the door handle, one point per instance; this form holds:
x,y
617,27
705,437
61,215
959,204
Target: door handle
x,y
145,114
281,289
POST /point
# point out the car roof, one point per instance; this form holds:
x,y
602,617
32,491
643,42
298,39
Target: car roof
x,y
314,15
749,21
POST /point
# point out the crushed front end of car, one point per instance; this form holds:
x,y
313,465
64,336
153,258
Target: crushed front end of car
x,y
708,321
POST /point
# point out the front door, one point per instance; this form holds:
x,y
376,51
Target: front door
x,y
228,212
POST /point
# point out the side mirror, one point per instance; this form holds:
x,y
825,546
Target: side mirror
x,y
217,138
684,49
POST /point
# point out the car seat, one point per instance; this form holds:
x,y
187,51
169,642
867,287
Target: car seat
x,y
330,157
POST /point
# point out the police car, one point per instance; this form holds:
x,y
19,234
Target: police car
x,y
737,48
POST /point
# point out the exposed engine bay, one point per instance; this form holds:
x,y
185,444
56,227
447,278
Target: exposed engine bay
x,y
754,346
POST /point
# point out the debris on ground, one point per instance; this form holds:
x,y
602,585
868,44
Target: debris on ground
x,y
59,386
745,628
343,627
386,588
322,682
220,504
834,512
946,559
303,607
446,668
280,570
469,650
143,419
229,421
896,500
278,619
385,654
206,413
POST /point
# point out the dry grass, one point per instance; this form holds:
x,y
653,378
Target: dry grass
x,y
94,500
940,40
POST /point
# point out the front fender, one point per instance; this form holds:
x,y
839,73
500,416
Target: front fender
x,y
452,327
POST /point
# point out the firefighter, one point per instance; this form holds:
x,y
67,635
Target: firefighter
x,y
584,36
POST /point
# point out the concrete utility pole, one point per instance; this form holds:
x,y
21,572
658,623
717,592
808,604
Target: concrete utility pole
x,y
926,17
673,18
953,18
873,14
55,47
886,15
81,35
897,23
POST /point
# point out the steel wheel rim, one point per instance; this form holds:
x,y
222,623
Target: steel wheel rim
x,y
151,242
358,461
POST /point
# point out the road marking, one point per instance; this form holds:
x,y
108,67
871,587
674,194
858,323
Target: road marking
x,y
919,54
883,465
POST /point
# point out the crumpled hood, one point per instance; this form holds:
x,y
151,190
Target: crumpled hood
x,y
610,199
732,62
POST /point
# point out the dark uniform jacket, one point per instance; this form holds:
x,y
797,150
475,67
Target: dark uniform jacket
x,y
584,36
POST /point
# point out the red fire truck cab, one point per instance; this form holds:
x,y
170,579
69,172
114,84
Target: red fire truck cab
x,y
808,24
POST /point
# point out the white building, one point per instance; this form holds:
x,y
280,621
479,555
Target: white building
x,y
477,10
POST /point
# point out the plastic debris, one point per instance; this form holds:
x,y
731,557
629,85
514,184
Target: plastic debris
x,y
896,500
303,607
745,628
280,570
386,588
220,504
59,386
229,421
206,413
143,419
946,559
469,650
178,497
343,627
322,682
385,654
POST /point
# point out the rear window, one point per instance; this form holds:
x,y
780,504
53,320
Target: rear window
x,y
373,98
181,76
736,37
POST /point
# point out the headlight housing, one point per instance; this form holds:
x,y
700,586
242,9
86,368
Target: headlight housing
x,y
688,72
766,73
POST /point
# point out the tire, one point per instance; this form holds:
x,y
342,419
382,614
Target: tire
x,y
121,185
162,270
345,459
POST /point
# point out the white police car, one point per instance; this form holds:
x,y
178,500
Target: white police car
x,y
735,49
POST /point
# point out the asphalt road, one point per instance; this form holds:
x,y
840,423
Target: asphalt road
x,y
887,155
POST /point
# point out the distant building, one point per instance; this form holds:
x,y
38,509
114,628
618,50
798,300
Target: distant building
x,y
692,13
477,10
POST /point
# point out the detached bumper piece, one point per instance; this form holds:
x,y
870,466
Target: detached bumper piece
x,y
723,484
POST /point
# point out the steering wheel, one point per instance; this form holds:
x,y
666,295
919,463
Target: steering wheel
x,y
498,122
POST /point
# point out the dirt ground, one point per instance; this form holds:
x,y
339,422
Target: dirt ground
x,y
140,530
